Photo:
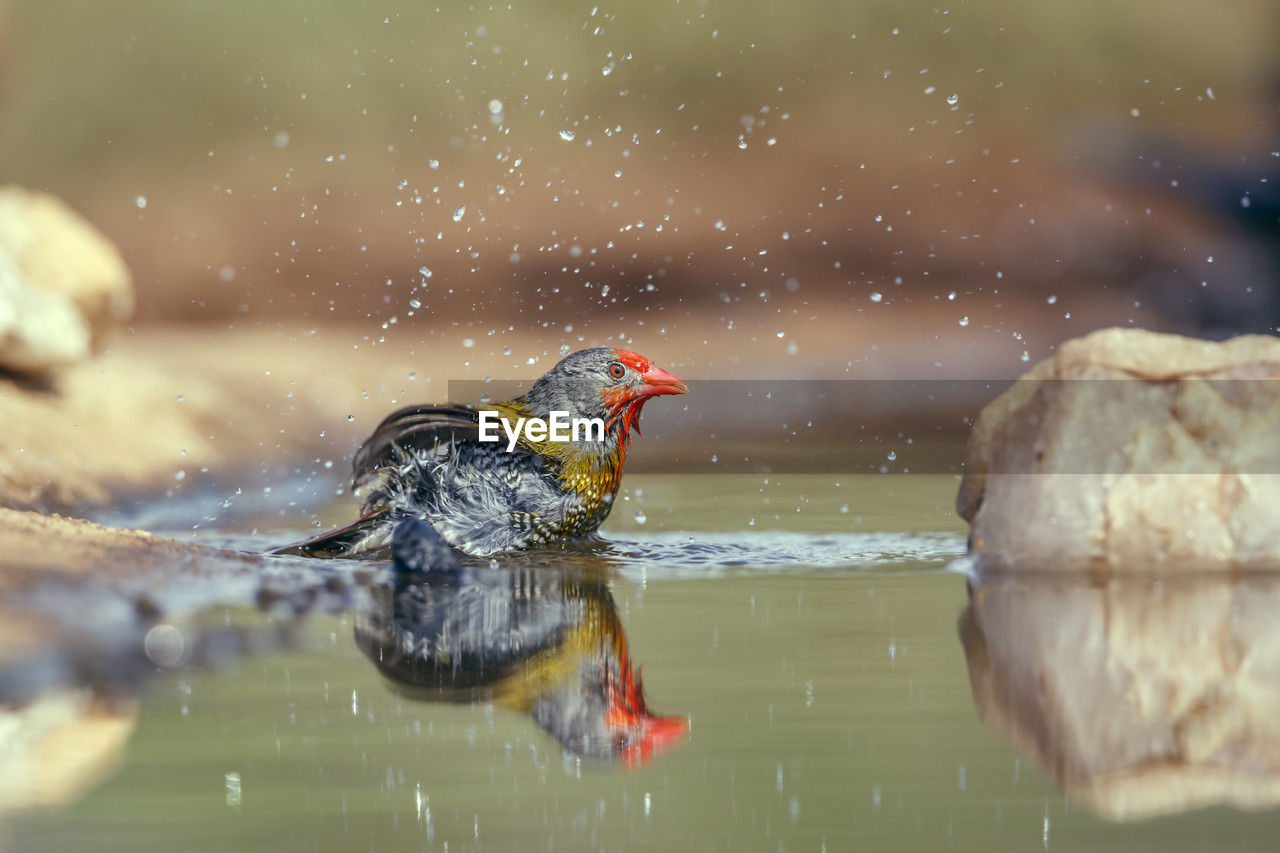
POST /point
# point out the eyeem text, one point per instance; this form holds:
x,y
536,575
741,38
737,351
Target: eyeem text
x,y
560,427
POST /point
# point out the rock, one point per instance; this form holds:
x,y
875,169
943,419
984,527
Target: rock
x,y
1127,450
39,330
1137,698
63,286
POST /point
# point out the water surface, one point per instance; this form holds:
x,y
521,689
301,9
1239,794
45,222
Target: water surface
x,y
807,627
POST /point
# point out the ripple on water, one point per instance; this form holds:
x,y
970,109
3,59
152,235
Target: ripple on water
x,y
765,552
672,555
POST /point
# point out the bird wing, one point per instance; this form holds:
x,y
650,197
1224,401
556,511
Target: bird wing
x,y
409,429
429,461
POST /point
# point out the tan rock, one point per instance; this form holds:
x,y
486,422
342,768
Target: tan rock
x,y
39,329
1138,698
1131,449
52,259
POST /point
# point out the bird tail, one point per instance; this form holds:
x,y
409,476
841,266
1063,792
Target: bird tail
x,y
365,537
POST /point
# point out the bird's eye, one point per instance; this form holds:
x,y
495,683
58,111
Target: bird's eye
x,y
617,371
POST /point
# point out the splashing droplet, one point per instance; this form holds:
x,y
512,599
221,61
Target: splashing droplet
x,y
459,213
566,134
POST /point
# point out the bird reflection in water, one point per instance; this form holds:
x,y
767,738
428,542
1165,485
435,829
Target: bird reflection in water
x,y
542,641
1140,696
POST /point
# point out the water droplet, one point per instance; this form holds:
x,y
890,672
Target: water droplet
x,y
1026,356
434,164
742,143
951,297
781,334
459,213
893,456
875,296
564,349
964,321
495,107
141,202
351,418
424,272
468,343
1052,299
953,99
414,303
566,134
641,518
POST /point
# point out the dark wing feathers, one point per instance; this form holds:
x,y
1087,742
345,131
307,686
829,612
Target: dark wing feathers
x,y
479,497
412,428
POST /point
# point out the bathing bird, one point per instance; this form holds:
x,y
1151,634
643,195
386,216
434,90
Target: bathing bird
x,y
487,497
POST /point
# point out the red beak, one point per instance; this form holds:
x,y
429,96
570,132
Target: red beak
x,y
658,382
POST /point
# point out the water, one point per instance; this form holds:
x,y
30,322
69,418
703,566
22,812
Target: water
x,y
815,655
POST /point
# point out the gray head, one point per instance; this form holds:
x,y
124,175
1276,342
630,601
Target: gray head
x,y
612,384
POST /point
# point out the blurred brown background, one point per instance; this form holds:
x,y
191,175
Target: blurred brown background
x,y
828,170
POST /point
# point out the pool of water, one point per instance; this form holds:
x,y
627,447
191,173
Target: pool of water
x,y
806,628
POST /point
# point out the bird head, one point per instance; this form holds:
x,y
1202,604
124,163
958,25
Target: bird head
x,y
610,384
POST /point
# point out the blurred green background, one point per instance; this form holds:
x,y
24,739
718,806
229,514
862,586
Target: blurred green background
x,y
304,161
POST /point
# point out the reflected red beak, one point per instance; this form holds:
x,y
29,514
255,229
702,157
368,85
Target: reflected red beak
x,y
658,382
657,735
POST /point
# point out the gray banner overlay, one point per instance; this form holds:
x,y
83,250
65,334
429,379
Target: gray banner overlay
x,y
777,426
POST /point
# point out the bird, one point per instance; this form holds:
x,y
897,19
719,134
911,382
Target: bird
x,y
540,640
487,497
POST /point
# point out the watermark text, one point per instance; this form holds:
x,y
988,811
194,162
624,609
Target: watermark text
x,y
559,427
